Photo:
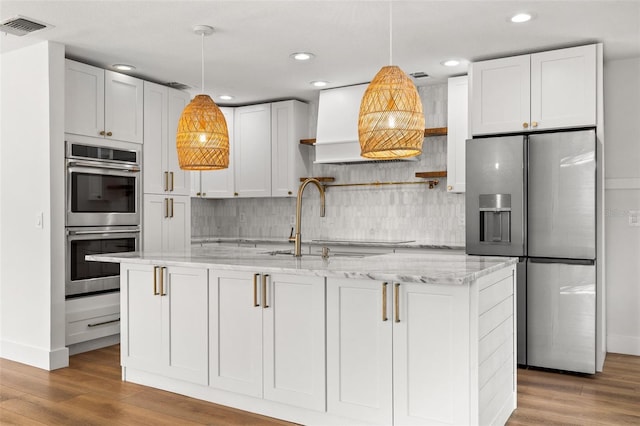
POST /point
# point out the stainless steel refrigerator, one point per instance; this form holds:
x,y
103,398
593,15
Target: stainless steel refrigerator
x,y
534,197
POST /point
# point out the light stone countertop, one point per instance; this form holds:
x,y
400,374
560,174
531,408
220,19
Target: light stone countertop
x,y
324,242
455,268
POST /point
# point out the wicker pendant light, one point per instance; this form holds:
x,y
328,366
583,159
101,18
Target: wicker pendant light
x,y
202,139
391,121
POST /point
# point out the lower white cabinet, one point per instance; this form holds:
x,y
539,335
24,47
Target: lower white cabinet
x,y
267,336
166,223
164,316
395,352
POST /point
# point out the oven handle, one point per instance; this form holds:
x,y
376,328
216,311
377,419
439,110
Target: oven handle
x,y
101,165
106,233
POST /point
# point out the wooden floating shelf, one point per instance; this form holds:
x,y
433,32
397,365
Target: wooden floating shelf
x,y
321,179
430,175
435,131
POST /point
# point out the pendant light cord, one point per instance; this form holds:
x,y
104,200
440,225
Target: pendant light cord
x,y
390,33
202,62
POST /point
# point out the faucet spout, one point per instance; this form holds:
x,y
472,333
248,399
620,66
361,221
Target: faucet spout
x,y
297,239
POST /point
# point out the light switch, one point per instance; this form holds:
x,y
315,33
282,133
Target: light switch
x,y
634,217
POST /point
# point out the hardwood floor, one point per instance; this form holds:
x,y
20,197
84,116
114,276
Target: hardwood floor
x,y
90,392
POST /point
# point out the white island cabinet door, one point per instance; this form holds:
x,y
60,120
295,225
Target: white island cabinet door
x,y
141,311
294,340
185,324
235,340
431,354
359,351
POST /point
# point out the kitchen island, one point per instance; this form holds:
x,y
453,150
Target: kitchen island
x,y
382,339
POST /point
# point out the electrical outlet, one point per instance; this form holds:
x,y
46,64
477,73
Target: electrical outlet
x,y
292,219
243,218
634,217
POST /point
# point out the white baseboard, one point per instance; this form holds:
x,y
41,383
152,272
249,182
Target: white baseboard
x,y
628,345
34,356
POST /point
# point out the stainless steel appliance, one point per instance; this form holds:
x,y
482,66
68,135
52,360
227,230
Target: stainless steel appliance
x,y
103,202
534,197
85,278
102,185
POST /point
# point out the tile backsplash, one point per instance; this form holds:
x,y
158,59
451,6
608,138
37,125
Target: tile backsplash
x,y
381,213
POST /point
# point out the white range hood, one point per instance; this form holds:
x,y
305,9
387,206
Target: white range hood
x,y
337,133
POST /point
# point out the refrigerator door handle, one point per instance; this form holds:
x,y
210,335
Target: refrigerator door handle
x,y
587,262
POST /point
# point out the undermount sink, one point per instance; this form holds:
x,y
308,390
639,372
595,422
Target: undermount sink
x,y
331,254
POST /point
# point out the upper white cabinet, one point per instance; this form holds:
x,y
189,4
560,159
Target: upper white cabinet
x,y
289,160
165,311
547,90
252,150
217,183
162,109
457,132
266,158
102,103
267,336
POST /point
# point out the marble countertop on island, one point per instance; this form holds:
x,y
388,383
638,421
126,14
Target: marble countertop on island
x,y
455,268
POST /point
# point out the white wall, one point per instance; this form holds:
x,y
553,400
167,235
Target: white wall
x,y
622,195
31,176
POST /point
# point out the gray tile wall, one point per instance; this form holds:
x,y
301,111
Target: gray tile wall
x,y
399,212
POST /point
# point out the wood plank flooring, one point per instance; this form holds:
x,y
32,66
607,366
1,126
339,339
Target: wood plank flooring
x,y
90,392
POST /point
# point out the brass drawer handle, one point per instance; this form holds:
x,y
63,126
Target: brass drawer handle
x,y
171,174
163,291
384,301
166,181
155,281
255,290
264,291
171,201
396,291
166,207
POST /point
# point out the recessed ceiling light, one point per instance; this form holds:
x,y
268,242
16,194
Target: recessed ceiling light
x,y
302,56
124,67
225,97
451,62
521,17
319,83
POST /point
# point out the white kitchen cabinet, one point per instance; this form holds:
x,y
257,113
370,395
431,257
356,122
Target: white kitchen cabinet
x,y
162,109
166,223
457,132
267,336
289,159
415,354
102,103
267,159
252,152
546,90
165,311
217,183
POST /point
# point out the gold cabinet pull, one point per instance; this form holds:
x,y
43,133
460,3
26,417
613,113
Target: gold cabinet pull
x,y
235,194
155,281
255,290
171,174
204,194
163,291
384,301
166,207
534,124
449,187
166,181
198,194
289,193
171,202
102,133
396,294
264,291
525,125
109,134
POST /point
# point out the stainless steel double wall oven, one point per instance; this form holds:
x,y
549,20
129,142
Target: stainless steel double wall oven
x,y
103,203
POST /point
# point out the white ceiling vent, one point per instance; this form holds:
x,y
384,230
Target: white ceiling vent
x,y
21,25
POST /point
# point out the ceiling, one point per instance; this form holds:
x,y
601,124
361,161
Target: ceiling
x,y
248,54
